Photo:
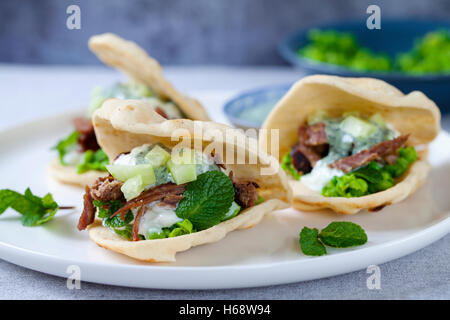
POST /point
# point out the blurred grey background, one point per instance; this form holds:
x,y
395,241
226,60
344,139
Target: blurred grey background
x,y
230,32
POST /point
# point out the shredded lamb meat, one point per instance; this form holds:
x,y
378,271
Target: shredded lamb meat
x,y
88,215
137,221
382,151
161,112
87,139
157,193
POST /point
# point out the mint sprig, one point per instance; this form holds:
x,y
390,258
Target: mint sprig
x,y
35,210
206,200
338,234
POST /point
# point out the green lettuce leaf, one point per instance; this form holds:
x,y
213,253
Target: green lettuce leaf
x,y
107,208
371,178
178,229
93,161
125,232
347,186
288,166
406,157
65,145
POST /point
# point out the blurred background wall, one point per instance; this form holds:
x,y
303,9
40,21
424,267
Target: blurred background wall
x,y
232,32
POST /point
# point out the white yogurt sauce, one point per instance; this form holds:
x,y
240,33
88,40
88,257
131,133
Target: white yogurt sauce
x,y
320,175
156,218
136,155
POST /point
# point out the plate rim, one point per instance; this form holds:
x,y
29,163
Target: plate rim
x,y
251,275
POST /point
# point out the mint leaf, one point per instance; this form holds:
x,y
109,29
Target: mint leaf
x,y
65,145
206,200
93,161
34,210
343,234
310,244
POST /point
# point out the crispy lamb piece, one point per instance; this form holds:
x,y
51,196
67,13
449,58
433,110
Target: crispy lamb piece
x,y
88,214
304,158
107,189
355,161
389,147
312,146
314,135
87,139
245,193
382,151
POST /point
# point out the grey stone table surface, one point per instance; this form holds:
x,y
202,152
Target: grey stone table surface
x,y
30,92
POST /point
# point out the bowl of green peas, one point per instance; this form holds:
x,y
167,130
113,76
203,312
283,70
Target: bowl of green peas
x,y
409,54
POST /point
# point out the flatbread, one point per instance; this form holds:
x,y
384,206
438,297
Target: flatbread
x,y
139,66
121,125
128,57
68,174
413,113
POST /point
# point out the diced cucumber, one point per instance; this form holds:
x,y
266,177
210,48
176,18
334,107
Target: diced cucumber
x,y
133,187
358,128
137,89
182,173
378,120
351,113
183,156
232,212
124,172
157,156
317,117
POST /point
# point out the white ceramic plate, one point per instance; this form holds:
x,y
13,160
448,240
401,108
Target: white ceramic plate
x,y
267,254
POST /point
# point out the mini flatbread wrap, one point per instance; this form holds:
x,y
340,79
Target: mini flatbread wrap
x,y
131,59
412,114
121,125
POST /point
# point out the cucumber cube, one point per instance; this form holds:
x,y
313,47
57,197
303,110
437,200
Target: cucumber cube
x,y
183,156
378,120
133,187
125,172
157,156
358,128
182,173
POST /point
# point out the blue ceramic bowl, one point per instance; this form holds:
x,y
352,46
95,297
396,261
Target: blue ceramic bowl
x,y
394,37
249,109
